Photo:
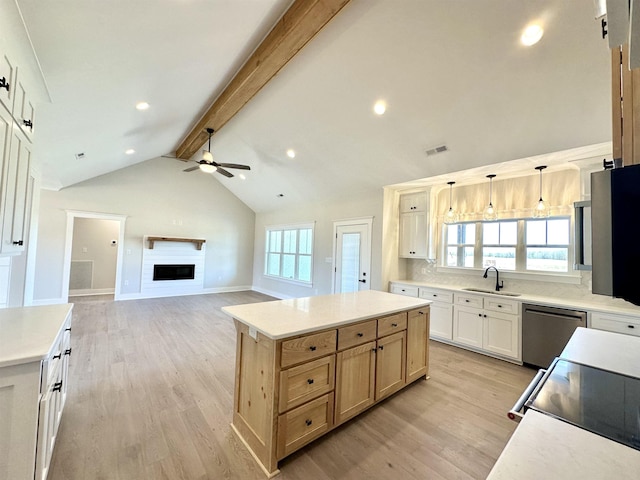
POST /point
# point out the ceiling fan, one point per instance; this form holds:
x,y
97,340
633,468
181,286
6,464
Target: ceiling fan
x,y
208,165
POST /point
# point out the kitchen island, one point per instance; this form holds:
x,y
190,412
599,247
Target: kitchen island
x,y
306,365
545,447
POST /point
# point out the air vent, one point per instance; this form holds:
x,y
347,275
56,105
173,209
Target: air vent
x,y
79,156
436,150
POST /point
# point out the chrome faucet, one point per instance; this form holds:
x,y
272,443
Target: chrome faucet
x,y
499,284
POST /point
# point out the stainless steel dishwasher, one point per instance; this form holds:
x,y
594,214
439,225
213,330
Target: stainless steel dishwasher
x,y
546,331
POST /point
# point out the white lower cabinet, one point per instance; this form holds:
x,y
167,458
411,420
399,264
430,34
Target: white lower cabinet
x,y
441,312
616,323
401,289
485,329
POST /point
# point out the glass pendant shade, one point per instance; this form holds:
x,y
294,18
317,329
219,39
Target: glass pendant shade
x,y
490,213
451,216
541,209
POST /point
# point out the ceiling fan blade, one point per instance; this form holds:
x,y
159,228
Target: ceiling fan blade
x,y
235,165
224,172
191,169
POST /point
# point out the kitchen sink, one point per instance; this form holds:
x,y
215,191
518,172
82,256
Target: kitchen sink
x,y
493,292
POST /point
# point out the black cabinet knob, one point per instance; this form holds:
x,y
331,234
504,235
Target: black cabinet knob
x,y
28,123
310,381
308,422
4,83
381,347
57,387
360,334
312,348
394,324
67,329
18,242
631,326
67,351
59,355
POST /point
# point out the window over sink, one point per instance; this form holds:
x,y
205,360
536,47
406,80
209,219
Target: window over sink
x,y
519,245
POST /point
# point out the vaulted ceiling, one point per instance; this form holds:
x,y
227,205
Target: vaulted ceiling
x,y
450,72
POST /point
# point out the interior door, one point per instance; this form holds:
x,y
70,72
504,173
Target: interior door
x,y
352,258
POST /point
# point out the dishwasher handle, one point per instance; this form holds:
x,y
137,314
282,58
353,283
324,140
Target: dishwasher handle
x,y
514,413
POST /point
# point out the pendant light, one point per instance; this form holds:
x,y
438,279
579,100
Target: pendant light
x,y
207,159
490,213
451,216
541,210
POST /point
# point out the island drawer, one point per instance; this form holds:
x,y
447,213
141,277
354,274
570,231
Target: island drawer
x,y
304,424
303,349
392,324
356,334
307,381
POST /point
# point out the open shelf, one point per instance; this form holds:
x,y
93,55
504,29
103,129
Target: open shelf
x,y
197,241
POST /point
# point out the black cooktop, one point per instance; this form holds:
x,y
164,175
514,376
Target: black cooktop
x,y
603,402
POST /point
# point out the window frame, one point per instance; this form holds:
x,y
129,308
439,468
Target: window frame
x,y
269,229
521,249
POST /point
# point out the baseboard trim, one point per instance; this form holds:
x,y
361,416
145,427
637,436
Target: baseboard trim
x,y
271,293
91,291
205,291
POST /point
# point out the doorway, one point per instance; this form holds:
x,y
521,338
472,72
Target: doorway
x,y
93,254
352,255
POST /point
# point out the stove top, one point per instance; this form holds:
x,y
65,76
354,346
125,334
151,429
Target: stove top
x,y
603,402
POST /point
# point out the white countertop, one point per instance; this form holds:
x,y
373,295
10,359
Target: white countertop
x,y
286,318
530,298
28,333
544,447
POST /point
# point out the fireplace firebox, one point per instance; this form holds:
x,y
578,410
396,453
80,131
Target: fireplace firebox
x,y
173,272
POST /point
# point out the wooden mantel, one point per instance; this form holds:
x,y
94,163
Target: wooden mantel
x,y
197,241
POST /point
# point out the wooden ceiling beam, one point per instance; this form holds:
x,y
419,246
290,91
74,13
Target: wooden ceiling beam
x,y
298,25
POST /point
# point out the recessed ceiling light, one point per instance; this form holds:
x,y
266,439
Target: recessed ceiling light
x,y
291,153
142,105
380,107
531,35
242,177
131,151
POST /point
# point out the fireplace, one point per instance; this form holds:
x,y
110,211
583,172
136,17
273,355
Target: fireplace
x,y
174,272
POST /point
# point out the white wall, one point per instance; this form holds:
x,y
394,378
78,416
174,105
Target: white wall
x,y
92,242
158,199
323,214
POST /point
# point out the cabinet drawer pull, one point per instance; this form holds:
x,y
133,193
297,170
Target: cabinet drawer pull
x,y
18,242
57,387
312,348
374,350
308,422
67,329
360,334
499,306
394,324
310,381
631,326
27,123
381,347
4,83
420,312
466,300
67,351
59,355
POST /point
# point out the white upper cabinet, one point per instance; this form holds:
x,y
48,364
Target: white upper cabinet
x,y
7,77
413,202
23,110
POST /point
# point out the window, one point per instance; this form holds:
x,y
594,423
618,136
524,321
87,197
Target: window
x,y
535,245
461,238
289,253
499,242
548,245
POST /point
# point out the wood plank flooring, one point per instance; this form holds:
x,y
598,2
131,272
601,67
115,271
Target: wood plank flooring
x,y
151,394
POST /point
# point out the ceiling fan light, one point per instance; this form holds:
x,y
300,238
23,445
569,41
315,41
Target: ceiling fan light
x,y
206,156
207,168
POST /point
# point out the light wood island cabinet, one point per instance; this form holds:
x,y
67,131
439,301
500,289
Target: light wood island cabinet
x,y
305,366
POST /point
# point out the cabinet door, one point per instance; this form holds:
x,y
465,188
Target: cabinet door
x,y
501,334
417,343
441,320
468,326
23,109
391,364
355,381
413,235
16,193
413,202
7,76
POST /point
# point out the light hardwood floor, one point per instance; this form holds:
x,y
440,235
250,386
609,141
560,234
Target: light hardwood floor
x,y
151,393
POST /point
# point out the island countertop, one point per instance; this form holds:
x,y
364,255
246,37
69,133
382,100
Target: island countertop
x,y
286,318
27,333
